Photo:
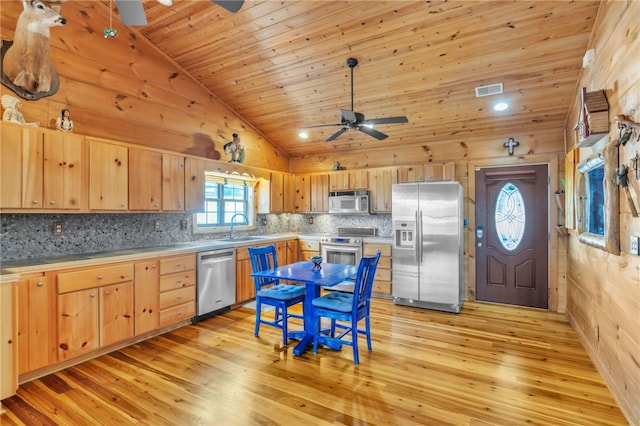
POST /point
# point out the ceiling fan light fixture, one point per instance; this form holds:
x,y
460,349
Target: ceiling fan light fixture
x,y
303,134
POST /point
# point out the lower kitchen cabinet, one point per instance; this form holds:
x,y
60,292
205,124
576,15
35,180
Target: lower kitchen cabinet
x,y
36,322
177,289
382,280
309,247
245,288
95,308
146,296
8,344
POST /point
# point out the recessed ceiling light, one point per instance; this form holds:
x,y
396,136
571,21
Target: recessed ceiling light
x,y
501,106
166,2
303,134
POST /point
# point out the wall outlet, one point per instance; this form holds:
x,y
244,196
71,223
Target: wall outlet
x,y
58,228
157,225
310,220
634,245
183,224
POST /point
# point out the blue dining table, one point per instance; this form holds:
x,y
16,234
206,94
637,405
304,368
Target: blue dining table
x,y
329,275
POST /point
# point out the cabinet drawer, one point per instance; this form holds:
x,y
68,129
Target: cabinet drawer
x,y
176,281
177,297
370,249
309,245
381,287
383,275
170,265
384,262
177,313
96,277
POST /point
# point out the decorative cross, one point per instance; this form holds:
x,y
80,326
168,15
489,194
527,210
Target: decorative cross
x,y
510,144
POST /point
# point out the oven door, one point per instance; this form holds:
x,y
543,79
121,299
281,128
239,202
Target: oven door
x,y
340,253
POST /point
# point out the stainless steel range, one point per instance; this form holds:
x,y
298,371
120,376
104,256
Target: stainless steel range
x,y
346,248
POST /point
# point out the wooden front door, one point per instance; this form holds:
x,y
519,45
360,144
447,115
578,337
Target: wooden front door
x,y
512,235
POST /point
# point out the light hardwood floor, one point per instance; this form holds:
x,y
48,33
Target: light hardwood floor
x,y
489,365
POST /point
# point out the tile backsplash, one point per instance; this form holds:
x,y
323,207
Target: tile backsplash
x,y
29,236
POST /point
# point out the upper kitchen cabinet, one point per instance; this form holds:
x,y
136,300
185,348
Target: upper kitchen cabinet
x,y
194,170
145,179
319,193
280,194
348,180
40,169
108,176
380,183
302,193
426,173
173,182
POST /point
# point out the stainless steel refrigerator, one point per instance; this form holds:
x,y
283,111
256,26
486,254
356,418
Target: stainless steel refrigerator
x,y
428,245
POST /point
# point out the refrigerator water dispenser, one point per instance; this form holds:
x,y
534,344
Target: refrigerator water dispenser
x,y
405,235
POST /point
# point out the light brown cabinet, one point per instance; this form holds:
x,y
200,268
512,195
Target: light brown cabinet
x,y
146,296
309,247
145,179
177,289
382,280
108,176
36,322
281,193
41,169
194,171
319,193
302,193
348,180
380,184
173,182
95,308
426,172
245,287
8,343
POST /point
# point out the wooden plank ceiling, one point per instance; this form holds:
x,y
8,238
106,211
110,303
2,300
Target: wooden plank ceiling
x,y
281,65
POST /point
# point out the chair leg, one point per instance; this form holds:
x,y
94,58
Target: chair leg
x,y
316,330
285,320
258,309
368,331
354,336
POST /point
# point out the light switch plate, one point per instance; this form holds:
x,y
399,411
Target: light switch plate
x,y
634,245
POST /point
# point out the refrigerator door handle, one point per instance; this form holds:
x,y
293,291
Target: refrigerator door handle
x,y
419,240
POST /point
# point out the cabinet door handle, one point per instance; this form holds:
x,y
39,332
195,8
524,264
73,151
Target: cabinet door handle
x,y
108,292
153,266
99,277
34,202
40,284
92,295
52,202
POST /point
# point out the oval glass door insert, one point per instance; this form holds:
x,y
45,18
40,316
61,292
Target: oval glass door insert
x,y
510,216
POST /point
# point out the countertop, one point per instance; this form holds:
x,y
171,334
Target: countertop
x,y
10,268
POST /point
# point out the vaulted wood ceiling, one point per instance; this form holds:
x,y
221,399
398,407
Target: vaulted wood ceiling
x,y
281,65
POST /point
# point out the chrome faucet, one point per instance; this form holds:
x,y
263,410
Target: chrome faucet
x,y
234,223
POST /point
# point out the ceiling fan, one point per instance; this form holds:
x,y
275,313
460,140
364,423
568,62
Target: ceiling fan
x,y
349,119
132,13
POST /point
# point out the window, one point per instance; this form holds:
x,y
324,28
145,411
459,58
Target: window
x,y
594,182
229,201
510,216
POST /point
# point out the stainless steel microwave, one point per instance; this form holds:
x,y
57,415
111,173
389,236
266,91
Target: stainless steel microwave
x,y
349,202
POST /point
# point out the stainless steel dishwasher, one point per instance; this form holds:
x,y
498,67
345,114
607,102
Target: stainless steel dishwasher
x,y
216,282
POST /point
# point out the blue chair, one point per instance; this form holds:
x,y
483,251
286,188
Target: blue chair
x,y
270,292
347,307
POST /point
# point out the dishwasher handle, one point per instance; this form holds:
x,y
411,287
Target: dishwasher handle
x,y
215,256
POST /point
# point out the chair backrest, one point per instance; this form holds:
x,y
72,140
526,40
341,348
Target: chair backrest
x,y
263,258
364,281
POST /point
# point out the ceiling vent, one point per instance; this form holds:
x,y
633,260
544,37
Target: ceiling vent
x,y
492,89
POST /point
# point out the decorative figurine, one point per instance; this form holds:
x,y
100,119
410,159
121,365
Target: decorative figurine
x,y
64,123
12,113
236,149
336,165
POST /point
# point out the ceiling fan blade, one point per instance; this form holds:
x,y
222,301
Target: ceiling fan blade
x,y
321,125
387,120
231,5
336,134
131,12
372,132
349,115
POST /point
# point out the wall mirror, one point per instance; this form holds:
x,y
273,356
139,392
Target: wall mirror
x,y
597,201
